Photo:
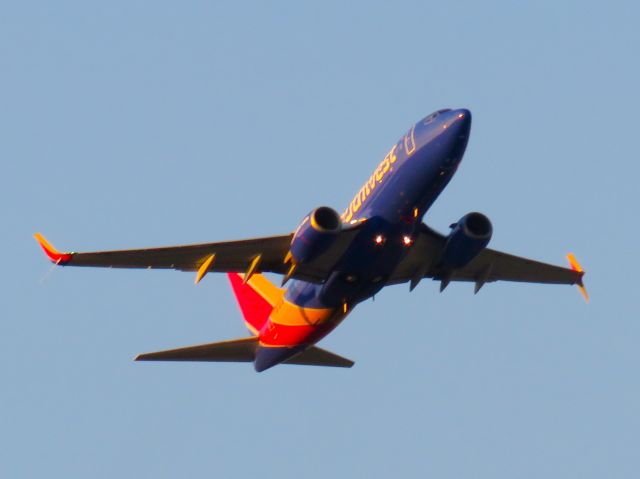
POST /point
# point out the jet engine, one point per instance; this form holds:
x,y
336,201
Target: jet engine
x,y
467,238
315,235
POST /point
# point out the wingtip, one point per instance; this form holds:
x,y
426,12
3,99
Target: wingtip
x,y
573,262
575,266
52,253
583,292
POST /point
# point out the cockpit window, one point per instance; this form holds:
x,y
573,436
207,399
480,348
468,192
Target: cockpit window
x,y
430,118
434,115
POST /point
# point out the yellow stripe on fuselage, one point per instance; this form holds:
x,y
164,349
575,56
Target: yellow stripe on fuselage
x,y
290,314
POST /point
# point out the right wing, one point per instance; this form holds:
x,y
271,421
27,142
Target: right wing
x,y
255,255
490,265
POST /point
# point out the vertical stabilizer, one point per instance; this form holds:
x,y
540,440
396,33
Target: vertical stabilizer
x,y
256,298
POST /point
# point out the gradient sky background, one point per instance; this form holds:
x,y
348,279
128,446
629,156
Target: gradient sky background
x,y
132,124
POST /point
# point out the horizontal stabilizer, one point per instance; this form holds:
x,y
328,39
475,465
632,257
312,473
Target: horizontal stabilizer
x,y
236,350
243,351
315,356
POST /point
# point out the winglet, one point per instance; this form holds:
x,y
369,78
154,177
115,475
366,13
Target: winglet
x,y
575,266
54,255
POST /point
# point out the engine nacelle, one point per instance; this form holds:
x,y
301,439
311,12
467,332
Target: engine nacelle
x,y
469,236
315,235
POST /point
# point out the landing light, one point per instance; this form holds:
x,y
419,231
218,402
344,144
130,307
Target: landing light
x,y
407,240
461,115
379,239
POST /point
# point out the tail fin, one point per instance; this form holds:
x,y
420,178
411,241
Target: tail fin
x,y
256,298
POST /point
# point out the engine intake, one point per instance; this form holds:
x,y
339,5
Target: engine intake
x,y
317,232
470,235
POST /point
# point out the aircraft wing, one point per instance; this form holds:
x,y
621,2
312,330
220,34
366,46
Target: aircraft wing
x,y
490,265
257,255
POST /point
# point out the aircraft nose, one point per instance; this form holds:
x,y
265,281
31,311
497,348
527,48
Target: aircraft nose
x,y
461,119
463,124
456,133
463,113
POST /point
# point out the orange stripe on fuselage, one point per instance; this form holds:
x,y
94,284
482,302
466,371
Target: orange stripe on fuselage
x,y
280,331
289,314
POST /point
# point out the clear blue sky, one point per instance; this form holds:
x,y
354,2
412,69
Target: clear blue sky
x,y
130,124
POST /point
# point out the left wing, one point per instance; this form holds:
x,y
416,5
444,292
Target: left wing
x,y
229,255
488,266
248,256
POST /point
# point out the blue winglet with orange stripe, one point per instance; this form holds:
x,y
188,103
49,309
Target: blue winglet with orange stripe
x,y
54,255
573,262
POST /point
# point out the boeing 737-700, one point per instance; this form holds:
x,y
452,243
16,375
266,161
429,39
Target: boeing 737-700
x,y
332,262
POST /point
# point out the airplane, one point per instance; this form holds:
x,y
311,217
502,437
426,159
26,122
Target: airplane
x,y
332,262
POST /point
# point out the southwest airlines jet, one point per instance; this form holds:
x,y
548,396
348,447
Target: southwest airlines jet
x,y
332,262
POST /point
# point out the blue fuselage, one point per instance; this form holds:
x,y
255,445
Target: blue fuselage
x,y
391,205
386,214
